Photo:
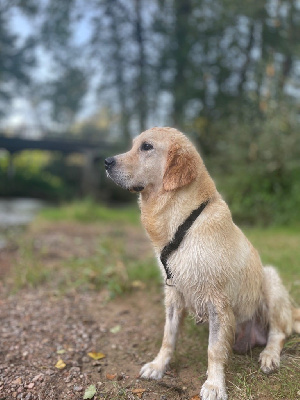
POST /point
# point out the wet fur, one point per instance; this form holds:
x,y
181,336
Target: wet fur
x,y
217,274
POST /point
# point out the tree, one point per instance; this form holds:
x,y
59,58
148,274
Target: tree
x,y
16,56
66,94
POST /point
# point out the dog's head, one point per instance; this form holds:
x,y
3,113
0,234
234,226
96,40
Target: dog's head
x,y
160,158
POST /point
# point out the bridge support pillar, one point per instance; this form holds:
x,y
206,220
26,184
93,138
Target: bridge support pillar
x,y
90,174
10,166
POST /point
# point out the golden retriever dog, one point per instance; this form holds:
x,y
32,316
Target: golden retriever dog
x,y
209,266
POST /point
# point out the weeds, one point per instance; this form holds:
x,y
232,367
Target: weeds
x,y
110,263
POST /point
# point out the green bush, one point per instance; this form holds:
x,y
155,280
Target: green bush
x,y
256,164
30,178
260,197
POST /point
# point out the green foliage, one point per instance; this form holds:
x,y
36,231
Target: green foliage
x,y
256,166
53,176
30,177
256,196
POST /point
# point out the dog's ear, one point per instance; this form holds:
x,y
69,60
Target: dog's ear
x,y
180,168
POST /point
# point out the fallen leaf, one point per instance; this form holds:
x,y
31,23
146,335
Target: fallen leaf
x,y
196,397
111,376
115,329
61,351
60,364
90,392
139,392
138,284
96,356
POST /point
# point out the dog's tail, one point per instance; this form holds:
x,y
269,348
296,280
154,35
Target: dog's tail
x,y
296,319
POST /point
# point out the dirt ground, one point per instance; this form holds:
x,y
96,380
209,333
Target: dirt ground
x,y
36,326
39,327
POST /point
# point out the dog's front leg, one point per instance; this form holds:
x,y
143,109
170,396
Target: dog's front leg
x,y
221,334
174,313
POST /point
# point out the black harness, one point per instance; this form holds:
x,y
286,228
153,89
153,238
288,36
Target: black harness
x,y
178,238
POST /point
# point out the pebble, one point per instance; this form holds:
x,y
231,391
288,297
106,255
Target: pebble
x,y
49,372
74,363
74,370
37,377
78,388
85,359
30,385
17,381
28,396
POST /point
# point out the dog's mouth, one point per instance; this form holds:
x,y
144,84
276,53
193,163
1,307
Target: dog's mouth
x,y
136,189
120,182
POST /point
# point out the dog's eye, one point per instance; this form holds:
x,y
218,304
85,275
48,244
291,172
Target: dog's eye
x,y
146,146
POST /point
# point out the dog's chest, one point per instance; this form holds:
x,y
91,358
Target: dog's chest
x,y
192,281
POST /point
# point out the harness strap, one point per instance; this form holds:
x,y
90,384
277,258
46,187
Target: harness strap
x,y
178,238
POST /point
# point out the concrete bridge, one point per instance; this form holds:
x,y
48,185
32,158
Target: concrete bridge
x,y
92,151
16,144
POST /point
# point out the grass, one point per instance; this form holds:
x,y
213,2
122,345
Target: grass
x,y
280,247
88,211
112,266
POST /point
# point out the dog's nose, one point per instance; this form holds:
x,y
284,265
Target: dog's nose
x,y
109,162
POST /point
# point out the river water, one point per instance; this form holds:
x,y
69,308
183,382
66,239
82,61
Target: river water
x,y
16,213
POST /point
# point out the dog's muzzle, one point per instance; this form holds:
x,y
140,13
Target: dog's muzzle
x,y
109,163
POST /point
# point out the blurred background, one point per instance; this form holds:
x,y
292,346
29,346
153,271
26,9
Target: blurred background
x,y
80,78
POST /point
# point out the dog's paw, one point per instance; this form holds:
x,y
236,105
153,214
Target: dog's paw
x,y
269,361
211,391
152,370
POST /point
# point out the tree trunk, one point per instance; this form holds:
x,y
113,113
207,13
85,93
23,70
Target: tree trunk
x,y
141,64
183,10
